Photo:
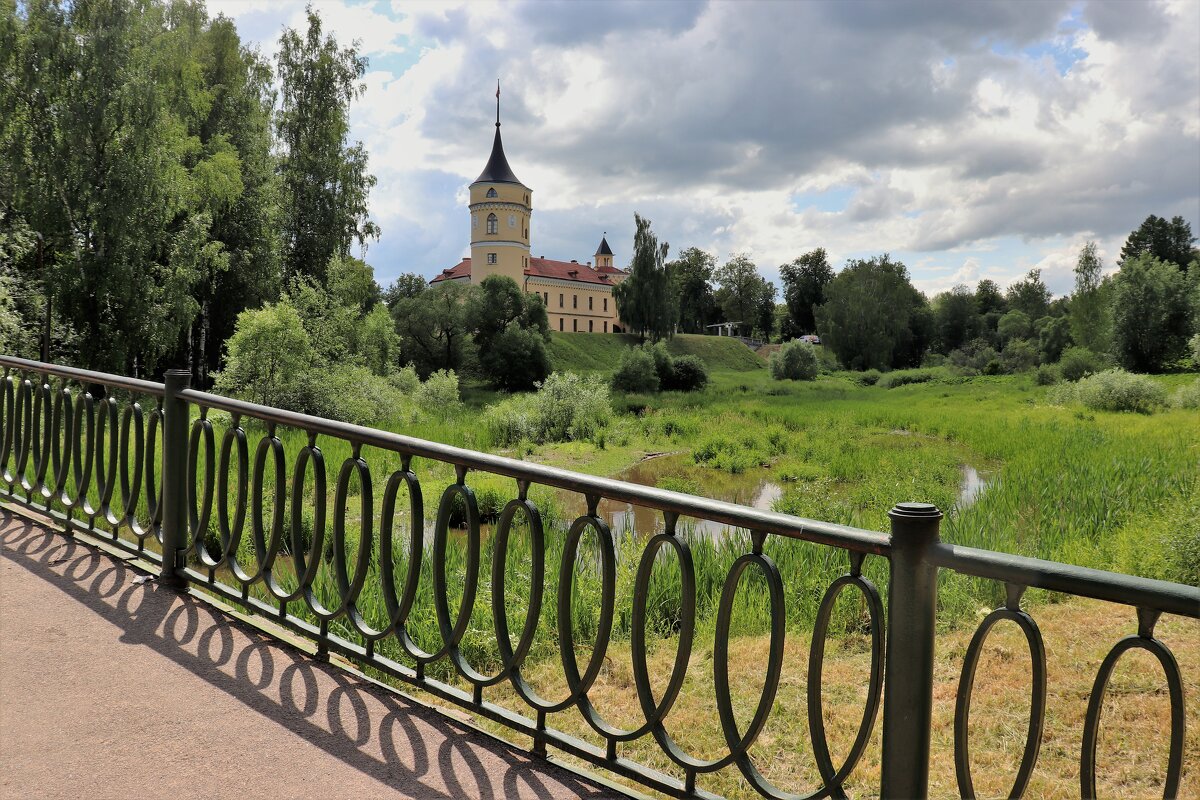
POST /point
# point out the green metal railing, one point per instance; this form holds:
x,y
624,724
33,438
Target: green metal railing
x,y
73,438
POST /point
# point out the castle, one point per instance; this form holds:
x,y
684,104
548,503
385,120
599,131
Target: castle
x,y
578,297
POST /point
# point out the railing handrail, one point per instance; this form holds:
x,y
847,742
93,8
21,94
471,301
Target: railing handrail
x,y
1055,576
85,375
843,536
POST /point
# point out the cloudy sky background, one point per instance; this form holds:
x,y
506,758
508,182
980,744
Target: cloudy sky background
x,y
970,140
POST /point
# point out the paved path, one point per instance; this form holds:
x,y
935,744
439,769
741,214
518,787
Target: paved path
x,y
111,688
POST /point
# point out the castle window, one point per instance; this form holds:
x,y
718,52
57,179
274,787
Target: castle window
x,y
474,221
589,304
574,301
491,193
527,233
560,301
606,326
589,326
606,304
546,297
575,325
512,220
491,258
560,323
493,224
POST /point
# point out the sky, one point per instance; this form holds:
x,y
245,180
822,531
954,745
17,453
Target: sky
x,y
969,140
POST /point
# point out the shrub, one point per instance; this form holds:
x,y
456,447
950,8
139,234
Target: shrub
x,y
975,354
868,378
405,379
1046,375
636,373
566,407
1078,362
894,379
1019,355
348,393
795,361
438,396
1188,395
516,359
1194,346
1113,390
688,374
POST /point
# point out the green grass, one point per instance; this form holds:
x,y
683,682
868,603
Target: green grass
x,y
601,352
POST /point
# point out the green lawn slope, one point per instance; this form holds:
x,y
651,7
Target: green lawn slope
x,y
591,352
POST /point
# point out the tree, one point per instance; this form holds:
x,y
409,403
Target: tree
x,y
1029,295
796,361
1089,308
379,344
644,301
434,327
744,295
1167,241
873,317
1150,313
325,183
407,285
352,283
1054,336
955,319
268,352
691,278
1015,325
511,330
764,311
804,282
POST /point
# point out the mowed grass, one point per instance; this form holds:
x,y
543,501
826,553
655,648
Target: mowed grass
x,y
601,352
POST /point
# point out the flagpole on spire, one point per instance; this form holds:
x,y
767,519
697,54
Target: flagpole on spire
x,y
497,102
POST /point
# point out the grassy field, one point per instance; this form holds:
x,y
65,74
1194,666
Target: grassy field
x,y
601,352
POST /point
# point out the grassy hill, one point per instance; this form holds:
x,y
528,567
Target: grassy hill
x,y
585,352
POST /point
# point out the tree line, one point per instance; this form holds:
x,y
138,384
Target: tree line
x,y
870,316
158,176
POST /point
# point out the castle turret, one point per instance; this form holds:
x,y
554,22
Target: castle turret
x,y
500,209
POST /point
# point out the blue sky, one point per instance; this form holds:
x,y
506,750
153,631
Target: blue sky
x,y
970,140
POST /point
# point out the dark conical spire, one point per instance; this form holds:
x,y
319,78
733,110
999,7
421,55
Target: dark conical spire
x,y
604,249
497,169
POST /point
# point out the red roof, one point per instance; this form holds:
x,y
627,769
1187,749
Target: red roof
x,y
543,268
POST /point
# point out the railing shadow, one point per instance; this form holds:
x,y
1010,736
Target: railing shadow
x,y
378,733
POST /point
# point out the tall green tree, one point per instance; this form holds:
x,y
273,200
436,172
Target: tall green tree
x,y
1090,308
691,278
1151,313
804,282
434,327
644,300
1029,295
511,330
743,294
955,318
325,183
1169,241
873,317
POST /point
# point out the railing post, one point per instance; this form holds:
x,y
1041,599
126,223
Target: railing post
x,y
174,477
908,675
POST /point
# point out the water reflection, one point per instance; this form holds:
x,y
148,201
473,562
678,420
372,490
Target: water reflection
x,y
972,485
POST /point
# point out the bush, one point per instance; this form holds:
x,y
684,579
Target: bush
x,y
1078,362
516,359
1188,395
975,355
1194,346
438,396
346,393
566,407
894,379
868,378
795,361
1019,355
637,372
406,380
688,374
1113,390
1046,375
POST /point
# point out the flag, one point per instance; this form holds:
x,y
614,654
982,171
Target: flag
x,y
497,88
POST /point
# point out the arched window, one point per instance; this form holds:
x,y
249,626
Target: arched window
x,y
474,221
492,223
512,220
491,193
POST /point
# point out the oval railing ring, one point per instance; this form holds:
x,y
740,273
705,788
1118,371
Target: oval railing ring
x,y
739,743
153,466
81,457
24,430
200,509
231,532
61,437
451,634
307,561
1037,701
1091,725
265,551
398,608
512,658
131,418
7,419
107,428
42,444
816,662
349,586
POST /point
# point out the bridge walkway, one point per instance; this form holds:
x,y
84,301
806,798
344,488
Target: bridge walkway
x,y
112,686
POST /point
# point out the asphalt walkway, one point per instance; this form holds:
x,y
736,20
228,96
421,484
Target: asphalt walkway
x,y
112,686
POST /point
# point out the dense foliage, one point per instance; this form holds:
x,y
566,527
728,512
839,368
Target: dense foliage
x,y
795,361
644,300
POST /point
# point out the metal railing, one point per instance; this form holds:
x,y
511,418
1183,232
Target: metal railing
x,y
72,437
